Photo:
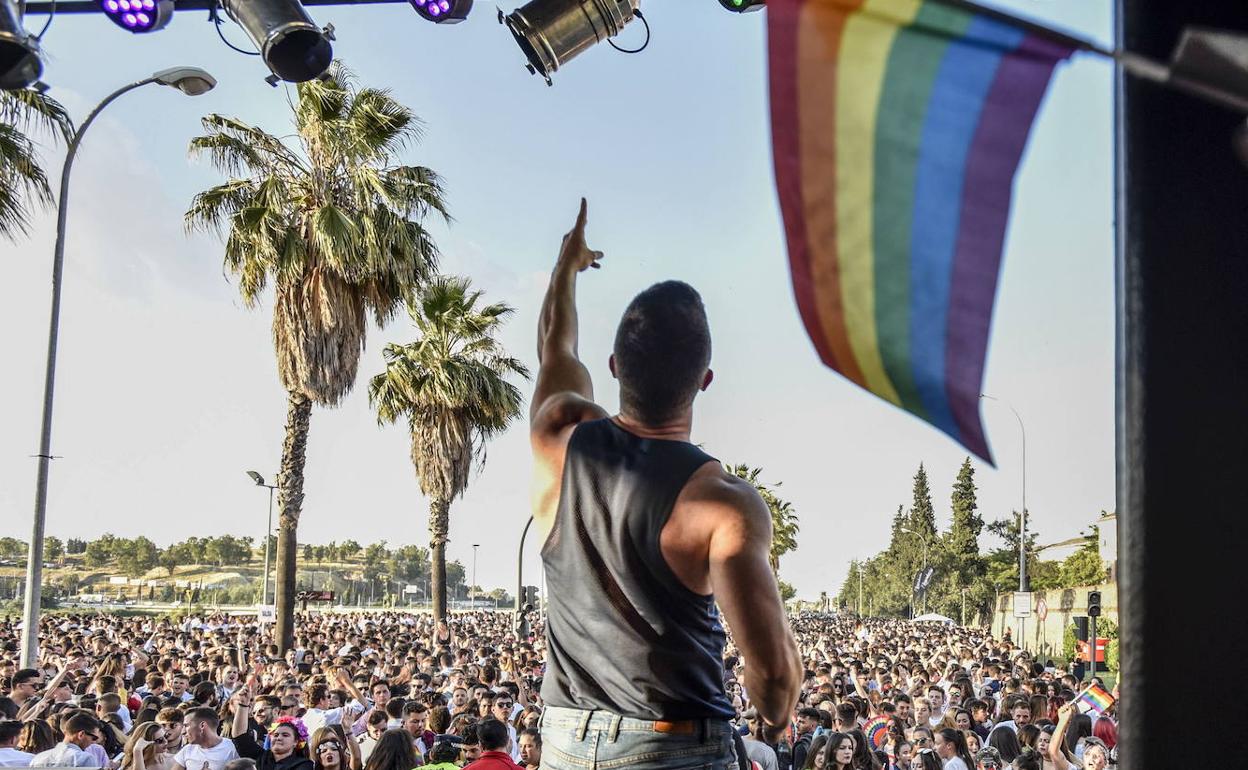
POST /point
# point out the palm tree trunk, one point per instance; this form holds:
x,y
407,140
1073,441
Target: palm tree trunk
x,y
439,523
289,506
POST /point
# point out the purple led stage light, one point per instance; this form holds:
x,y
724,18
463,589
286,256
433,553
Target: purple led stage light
x,y
443,11
138,15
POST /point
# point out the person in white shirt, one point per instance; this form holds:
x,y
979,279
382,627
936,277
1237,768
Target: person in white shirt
x,y
501,710
319,714
9,755
204,749
81,731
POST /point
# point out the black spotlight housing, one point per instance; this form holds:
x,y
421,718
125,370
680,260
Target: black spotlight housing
x,y
551,32
20,65
743,6
442,11
293,47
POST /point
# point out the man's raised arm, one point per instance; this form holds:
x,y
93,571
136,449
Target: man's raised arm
x,y
746,590
560,371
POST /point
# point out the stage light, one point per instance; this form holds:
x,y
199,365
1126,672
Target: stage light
x,y
743,6
551,32
293,47
443,11
138,15
20,66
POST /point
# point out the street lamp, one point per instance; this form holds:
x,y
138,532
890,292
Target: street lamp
x,y
923,538
268,533
472,599
191,81
1022,524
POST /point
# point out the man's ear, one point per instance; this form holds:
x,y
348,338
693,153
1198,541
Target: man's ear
x,y
706,380
611,366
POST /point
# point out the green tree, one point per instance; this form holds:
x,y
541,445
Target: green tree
x,y
12,548
136,557
23,182
335,225
1084,567
54,549
100,551
451,388
169,560
784,523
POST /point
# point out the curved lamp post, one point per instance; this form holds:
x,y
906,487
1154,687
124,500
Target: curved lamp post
x,y
191,81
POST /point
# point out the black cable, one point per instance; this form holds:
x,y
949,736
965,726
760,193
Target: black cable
x,y
48,23
214,15
636,13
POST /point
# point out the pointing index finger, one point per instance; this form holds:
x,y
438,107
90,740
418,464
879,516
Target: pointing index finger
x,y
582,216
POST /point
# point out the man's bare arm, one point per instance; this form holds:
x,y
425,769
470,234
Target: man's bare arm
x,y
750,599
560,370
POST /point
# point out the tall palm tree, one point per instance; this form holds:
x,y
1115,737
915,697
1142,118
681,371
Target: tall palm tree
x,y
784,525
335,226
451,388
23,181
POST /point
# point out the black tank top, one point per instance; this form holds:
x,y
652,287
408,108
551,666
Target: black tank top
x,y
623,633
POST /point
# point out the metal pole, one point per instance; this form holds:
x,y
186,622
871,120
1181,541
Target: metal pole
x,y
268,536
472,598
1092,647
34,560
520,569
1022,525
925,575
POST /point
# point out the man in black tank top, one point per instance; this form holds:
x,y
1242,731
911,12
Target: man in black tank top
x,y
647,537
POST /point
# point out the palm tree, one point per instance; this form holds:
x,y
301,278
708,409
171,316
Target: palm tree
x,y
22,179
451,387
784,526
334,225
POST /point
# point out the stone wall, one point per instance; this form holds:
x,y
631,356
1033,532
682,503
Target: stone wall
x,y
1045,637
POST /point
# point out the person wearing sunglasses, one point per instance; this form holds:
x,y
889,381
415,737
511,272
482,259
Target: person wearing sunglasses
x,y
81,731
989,758
147,748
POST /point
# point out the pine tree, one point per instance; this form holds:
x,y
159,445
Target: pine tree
x,y
963,538
922,514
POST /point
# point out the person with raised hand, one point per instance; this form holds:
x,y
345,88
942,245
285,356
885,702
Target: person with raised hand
x,y
647,537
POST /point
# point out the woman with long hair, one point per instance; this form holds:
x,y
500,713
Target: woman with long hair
x,y
332,751
864,757
1095,753
838,752
147,748
1005,741
1107,732
815,759
393,752
952,749
973,741
36,737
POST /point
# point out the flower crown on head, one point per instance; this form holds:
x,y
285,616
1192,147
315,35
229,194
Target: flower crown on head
x,y
295,724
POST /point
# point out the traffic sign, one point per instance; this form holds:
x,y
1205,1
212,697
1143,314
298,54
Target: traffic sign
x,y
1022,604
1042,608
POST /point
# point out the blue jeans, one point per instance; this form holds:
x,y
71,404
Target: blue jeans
x,y
577,739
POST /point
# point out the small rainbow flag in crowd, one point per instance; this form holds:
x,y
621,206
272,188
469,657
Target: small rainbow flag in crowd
x,y
1095,698
876,731
897,128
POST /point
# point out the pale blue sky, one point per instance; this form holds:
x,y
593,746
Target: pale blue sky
x,y
167,389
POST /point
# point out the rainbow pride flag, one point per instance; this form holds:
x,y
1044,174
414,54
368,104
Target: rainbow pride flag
x,y
897,128
1095,698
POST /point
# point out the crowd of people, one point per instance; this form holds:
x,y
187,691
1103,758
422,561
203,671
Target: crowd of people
x,y
394,691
